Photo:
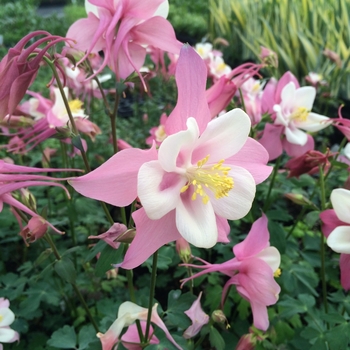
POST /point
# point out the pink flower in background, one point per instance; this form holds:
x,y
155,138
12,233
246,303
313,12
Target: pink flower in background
x,y
204,173
7,335
122,29
290,107
336,227
198,317
128,313
158,132
18,69
252,271
36,228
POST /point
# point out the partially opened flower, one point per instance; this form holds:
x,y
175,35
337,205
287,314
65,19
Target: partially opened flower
x,y
204,172
122,29
198,317
128,313
7,335
131,338
252,271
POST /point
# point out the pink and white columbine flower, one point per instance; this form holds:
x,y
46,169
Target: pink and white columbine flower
x,y
252,271
7,335
336,227
290,107
128,313
122,29
204,172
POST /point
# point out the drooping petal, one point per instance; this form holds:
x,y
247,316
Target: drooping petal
x,y
223,137
256,240
196,221
314,122
340,199
339,239
150,236
7,335
271,140
158,190
252,157
260,317
148,33
239,200
294,150
115,181
344,263
295,135
286,78
191,77
223,229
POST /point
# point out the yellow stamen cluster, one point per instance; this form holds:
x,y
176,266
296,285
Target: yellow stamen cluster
x,y
75,105
214,177
300,114
277,273
160,134
1,318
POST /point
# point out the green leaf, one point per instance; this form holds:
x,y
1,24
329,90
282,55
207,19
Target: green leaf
x,y
108,257
76,141
64,338
338,337
277,236
95,250
177,304
66,270
42,257
216,340
86,336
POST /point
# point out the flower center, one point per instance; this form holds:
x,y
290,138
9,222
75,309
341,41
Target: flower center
x,y
75,105
160,133
300,114
214,177
277,273
1,318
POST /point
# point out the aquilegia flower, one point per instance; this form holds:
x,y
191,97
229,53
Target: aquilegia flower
x,y
252,270
122,29
204,172
336,227
290,107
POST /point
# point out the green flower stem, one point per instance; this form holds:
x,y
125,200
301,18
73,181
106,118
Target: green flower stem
x,y
322,249
69,112
75,287
113,118
272,182
151,294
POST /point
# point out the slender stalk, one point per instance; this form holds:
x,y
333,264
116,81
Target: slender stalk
x,y
151,294
75,287
113,118
322,249
272,182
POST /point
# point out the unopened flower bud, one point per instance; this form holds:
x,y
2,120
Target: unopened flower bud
x,y
247,342
183,249
36,228
298,198
268,57
63,132
28,199
219,317
333,56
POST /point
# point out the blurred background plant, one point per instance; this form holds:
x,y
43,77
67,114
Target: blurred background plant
x,y
298,31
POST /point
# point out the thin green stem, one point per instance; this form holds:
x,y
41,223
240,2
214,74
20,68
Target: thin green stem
x,y
133,299
113,118
322,248
151,293
75,287
272,182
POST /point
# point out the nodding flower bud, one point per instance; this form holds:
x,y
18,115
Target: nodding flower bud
x,y
247,342
219,317
298,198
28,198
36,228
183,249
269,57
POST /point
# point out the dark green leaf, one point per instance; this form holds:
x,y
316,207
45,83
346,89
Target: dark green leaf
x,y
64,338
66,270
216,339
108,257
